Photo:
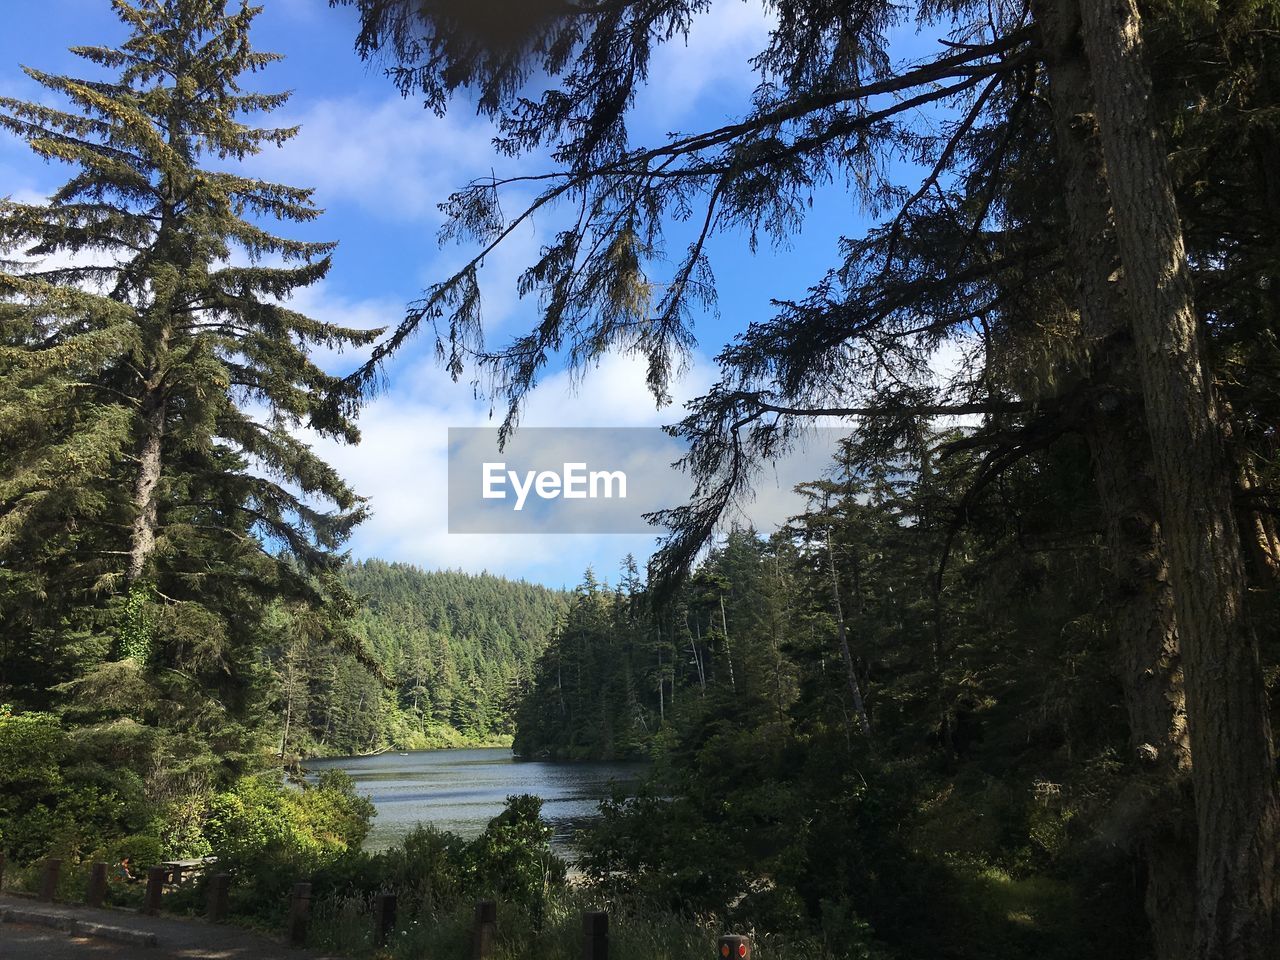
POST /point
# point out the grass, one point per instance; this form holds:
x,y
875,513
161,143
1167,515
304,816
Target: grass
x,y
345,926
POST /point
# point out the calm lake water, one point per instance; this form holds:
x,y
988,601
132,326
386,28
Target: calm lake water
x,y
462,790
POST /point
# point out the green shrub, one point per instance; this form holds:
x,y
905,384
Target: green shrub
x,y
427,868
56,798
270,835
512,858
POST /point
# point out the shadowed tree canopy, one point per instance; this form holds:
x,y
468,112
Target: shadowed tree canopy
x,y
827,108
1041,229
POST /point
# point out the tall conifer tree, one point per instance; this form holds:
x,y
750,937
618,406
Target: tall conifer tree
x,y
154,494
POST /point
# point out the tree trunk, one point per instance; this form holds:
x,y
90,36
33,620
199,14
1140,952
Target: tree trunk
x,y
943,706
1142,617
288,721
1234,766
142,539
695,645
728,651
855,691
1139,597
662,696
1260,530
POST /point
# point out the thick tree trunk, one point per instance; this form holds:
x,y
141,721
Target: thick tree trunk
x,y
1142,617
1139,597
1234,766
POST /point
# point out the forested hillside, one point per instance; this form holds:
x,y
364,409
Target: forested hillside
x,y
596,692
449,651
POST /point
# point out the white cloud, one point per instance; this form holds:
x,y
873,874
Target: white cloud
x,y
29,196
401,465
390,157
709,69
395,161
950,365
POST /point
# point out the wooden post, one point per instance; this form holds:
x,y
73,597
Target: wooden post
x,y
484,931
176,875
734,947
595,935
219,895
155,890
299,913
384,917
2,863
49,879
97,889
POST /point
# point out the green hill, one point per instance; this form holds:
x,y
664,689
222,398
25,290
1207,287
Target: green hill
x,y
455,650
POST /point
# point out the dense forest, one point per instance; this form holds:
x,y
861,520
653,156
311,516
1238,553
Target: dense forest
x,y
450,654
1006,687
875,708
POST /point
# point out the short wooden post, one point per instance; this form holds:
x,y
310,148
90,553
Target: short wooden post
x,y
734,947
384,917
49,879
484,931
2,863
219,897
299,913
595,935
96,892
155,890
176,875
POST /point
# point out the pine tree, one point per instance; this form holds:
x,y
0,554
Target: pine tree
x,y
153,493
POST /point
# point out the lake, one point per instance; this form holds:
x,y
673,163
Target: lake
x,y
462,790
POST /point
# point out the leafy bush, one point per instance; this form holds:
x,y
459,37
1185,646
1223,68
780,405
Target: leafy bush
x,y
270,835
512,858
55,795
428,868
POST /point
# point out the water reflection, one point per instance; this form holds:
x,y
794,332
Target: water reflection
x,y
462,790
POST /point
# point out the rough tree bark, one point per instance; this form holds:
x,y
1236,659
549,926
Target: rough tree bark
x,y
1233,773
1139,597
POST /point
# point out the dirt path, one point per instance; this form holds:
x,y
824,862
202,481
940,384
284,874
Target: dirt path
x,y
39,931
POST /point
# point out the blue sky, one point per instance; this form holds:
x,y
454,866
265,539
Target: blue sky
x,y
380,165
